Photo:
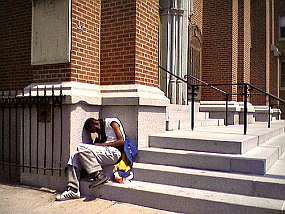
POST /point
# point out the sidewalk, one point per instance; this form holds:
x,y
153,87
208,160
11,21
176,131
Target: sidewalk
x,y
26,200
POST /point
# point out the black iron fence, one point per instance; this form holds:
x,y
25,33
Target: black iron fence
x,y
243,92
31,131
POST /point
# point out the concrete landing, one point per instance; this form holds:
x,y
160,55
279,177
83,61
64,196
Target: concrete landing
x,y
250,185
187,200
202,171
278,169
218,139
206,142
219,148
255,162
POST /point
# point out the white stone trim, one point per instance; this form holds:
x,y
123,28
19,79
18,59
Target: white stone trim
x,y
75,91
103,95
133,95
217,106
233,106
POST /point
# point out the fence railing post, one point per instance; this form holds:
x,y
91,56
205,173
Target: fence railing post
x,y
61,132
192,106
244,108
227,109
269,103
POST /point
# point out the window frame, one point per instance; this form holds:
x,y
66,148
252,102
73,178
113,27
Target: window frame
x,y
281,37
282,66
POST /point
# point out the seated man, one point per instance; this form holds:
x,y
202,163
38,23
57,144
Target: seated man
x,y
106,150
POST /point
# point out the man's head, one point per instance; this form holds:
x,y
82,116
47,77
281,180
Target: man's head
x,y
92,125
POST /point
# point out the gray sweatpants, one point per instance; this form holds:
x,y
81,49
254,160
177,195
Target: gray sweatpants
x,y
91,158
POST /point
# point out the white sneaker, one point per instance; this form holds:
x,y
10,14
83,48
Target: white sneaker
x,y
67,195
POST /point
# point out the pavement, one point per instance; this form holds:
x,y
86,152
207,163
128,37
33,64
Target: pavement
x,y
21,199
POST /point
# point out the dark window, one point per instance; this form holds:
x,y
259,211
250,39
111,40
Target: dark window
x,y
282,32
283,74
282,27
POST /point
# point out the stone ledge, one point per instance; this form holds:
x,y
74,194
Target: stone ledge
x,y
261,113
218,106
103,95
133,95
74,91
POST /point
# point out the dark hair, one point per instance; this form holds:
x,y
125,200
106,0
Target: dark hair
x,y
98,126
89,123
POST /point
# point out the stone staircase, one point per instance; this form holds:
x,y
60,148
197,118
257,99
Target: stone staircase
x,y
178,117
209,170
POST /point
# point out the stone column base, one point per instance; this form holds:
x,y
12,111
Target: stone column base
x,y
141,109
217,110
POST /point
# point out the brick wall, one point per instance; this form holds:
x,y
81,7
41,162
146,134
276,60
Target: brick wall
x,y
129,42
85,50
258,47
217,45
15,36
146,61
45,73
118,42
85,53
197,17
16,70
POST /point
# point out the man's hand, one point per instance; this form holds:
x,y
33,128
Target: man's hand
x,y
120,139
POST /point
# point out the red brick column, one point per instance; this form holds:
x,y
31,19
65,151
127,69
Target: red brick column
x,y
217,45
118,42
247,40
146,61
258,47
129,42
244,43
240,70
226,45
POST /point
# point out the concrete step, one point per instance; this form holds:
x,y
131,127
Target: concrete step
x,y
258,186
205,142
209,122
186,200
278,169
256,161
201,115
185,123
258,129
278,142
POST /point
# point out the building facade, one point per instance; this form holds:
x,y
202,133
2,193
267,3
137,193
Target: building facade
x,y
240,40
105,56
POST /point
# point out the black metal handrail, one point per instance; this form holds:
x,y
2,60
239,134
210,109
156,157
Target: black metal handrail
x,y
268,94
193,88
194,78
245,88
